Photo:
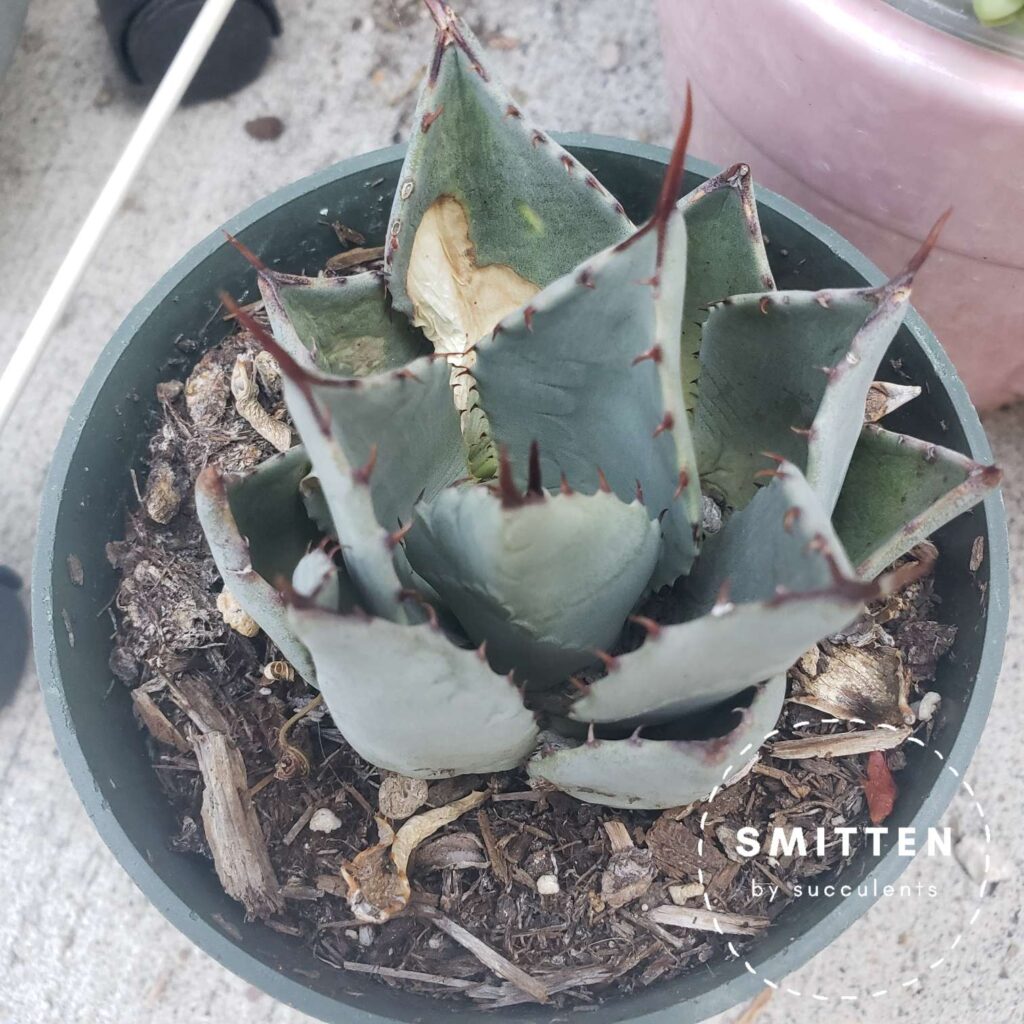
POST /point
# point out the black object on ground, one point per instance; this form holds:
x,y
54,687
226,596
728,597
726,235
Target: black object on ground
x,y
146,34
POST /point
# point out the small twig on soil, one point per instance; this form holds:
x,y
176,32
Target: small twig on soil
x,y
526,794
282,735
358,797
490,958
655,929
354,258
702,920
300,824
159,725
252,308
558,981
840,744
494,853
798,789
394,972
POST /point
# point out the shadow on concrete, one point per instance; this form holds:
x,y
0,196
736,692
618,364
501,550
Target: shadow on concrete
x,y
14,635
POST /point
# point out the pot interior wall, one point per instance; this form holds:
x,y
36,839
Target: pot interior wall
x,y
296,237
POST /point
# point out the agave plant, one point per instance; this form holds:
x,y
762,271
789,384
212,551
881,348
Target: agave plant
x,y
536,442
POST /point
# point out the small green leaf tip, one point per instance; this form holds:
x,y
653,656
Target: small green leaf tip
x,y
534,419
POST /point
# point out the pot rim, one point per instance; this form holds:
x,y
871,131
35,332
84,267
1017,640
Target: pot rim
x,y
287,989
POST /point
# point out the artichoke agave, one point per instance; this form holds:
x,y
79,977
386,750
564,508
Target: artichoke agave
x,y
536,418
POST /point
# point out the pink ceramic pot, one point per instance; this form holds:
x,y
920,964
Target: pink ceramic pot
x,y
876,122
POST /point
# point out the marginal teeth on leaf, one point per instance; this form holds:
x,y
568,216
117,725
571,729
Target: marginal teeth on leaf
x,y
654,353
651,627
667,423
397,536
507,490
363,473
431,611
722,603
429,118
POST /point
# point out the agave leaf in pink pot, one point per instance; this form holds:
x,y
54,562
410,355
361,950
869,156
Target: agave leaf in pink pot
x,y
876,121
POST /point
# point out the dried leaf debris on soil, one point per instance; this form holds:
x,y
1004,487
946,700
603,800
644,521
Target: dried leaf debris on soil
x,y
533,896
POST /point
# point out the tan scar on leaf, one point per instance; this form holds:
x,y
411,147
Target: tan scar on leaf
x,y
456,301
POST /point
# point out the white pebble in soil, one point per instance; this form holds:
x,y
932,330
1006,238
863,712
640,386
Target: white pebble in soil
x,y
547,885
324,820
927,706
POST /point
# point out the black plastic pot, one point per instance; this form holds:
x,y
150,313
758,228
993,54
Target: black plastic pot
x,y
89,485
146,35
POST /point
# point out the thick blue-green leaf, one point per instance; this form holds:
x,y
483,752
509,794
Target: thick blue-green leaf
x,y
258,531
770,585
410,701
590,371
726,257
641,773
526,211
899,490
544,580
789,372
345,323
376,445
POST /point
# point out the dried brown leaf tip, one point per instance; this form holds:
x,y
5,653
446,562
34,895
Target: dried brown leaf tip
x,y
246,392
885,398
866,684
377,877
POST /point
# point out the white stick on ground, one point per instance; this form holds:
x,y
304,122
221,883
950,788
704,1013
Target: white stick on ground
x,y
164,102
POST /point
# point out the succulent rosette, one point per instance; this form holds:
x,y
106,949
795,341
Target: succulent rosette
x,y
589,488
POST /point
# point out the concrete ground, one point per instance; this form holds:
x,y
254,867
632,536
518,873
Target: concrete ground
x,y
77,942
